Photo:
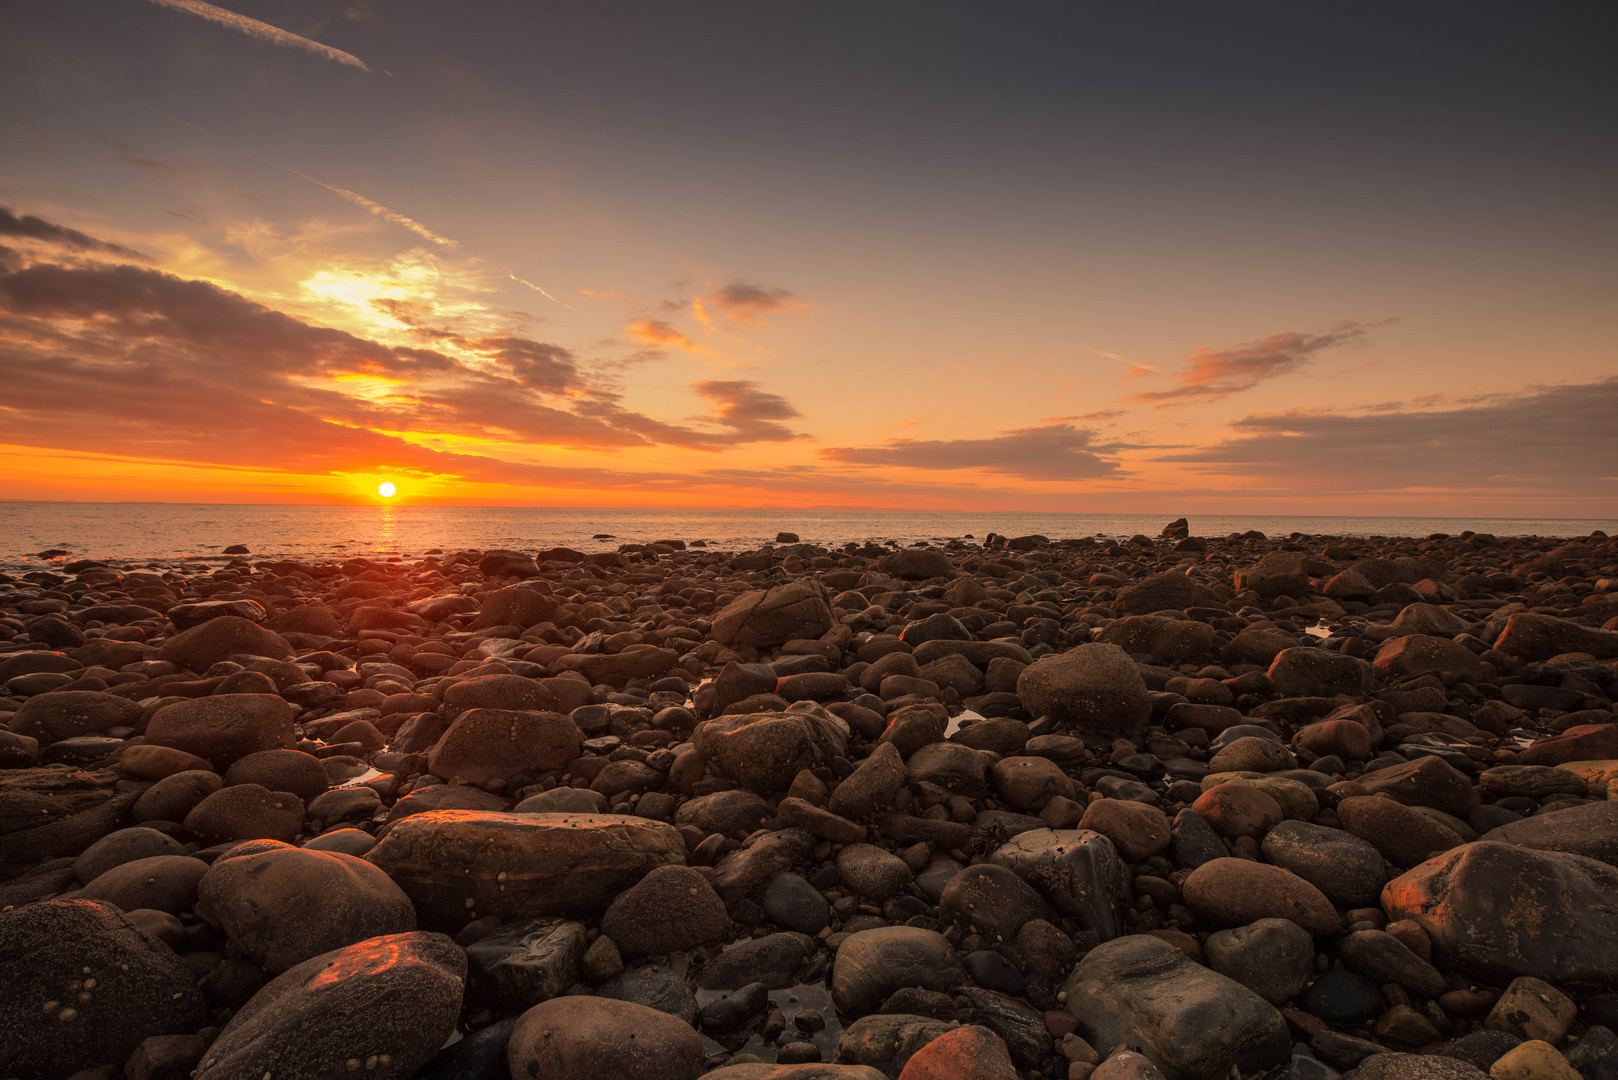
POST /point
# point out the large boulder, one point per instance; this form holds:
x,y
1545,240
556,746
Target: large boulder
x,y
379,1008
1590,829
498,744
765,751
1540,637
1159,592
282,905
1193,1023
1170,640
801,609
1345,868
672,909
1500,911
1418,654
1308,672
1235,892
916,564
64,714
1093,687
224,728
461,865
571,1038
872,964
516,606
1280,573
198,647
84,987
1077,870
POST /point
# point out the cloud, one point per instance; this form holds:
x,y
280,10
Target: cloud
x,y
124,359
1218,373
1549,440
751,414
743,302
1046,452
536,288
29,227
385,214
261,30
659,333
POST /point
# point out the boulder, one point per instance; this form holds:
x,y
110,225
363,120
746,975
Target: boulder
x,y
1501,911
1418,654
222,729
872,964
916,564
576,1038
54,1023
461,865
1191,1022
499,744
1093,687
283,905
515,606
1235,892
64,714
246,812
1534,636
1345,868
801,609
1590,829
1079,873
1280,573
199,647
1309,672
765,751
1158,592
672,909
378,1008
1171,641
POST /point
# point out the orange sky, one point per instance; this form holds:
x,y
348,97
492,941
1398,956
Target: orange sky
x,y
963,256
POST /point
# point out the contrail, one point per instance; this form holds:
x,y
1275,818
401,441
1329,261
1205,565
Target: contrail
x,y
540,291
261,30
380,211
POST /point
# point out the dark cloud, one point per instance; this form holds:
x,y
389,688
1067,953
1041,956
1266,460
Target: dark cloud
x,y
37,228
1048,452
1217,373
1556,440
748,303
749,413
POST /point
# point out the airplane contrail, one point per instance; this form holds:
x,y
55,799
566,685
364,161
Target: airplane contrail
x,y
540,291
261,30
381,211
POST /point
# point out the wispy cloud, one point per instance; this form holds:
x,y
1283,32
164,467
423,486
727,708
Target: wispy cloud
x,y
536,288
1218,373
1046,452
751,414
261,30
383,212
1136,368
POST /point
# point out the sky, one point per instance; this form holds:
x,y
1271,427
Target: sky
x,y
1246,257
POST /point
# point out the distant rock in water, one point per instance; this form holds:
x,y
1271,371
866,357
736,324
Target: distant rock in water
x,y
237,549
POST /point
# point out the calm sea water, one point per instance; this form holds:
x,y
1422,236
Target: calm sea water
x,y
144,532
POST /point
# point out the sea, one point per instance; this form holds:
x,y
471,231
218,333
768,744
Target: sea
x,y
33,535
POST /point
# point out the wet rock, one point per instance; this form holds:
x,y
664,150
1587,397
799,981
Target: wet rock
x,y
1190,1021
1093,687
460,865
671,909
872,964
521,964
773,960
387,1003
580,1038
794,904
58,1017
283,905
1562,911
745,873
655,987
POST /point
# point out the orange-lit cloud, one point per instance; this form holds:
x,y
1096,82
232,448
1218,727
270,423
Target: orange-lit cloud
x,y
1218,373
1048,452
658,333
29,227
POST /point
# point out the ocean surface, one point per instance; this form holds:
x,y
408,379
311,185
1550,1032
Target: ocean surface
x,y
134,533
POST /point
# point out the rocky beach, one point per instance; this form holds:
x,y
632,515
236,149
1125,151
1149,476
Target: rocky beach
x,y
1170,808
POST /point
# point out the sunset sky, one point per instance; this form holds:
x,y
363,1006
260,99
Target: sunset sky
x,y
1237,257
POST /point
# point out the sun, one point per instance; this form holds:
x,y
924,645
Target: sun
x,y
386,489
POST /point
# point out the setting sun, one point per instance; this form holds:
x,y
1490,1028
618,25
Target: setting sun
x,y
386,489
